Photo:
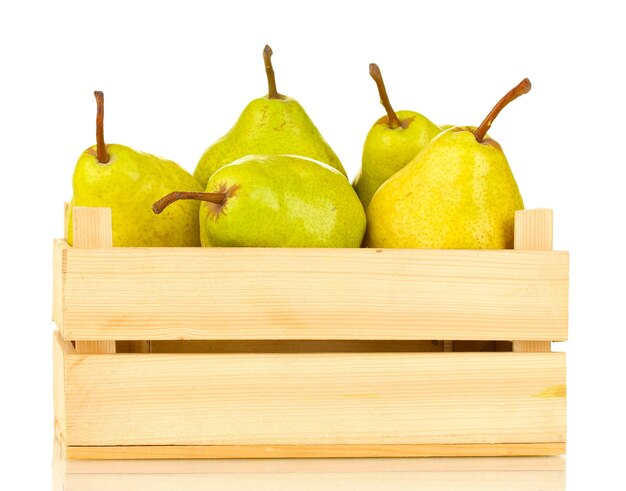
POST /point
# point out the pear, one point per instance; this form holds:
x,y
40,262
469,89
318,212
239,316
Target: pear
x,y
273,124
458,193
277,201
445,127
393,141
128,182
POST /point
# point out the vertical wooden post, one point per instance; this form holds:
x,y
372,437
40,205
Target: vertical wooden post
x,y
92,228
57,276
533,231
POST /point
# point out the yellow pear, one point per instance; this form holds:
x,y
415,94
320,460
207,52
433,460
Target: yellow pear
x,y
458,193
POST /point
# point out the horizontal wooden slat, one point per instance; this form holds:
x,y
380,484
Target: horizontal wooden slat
x,y
314,451
242,293
360,465
311,474
314,399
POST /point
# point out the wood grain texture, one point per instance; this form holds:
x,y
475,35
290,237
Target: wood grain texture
x,y
95,346
58,257
93,229
314,399
533,231
266,353
532,346
309,465
58,276
58,389
239,293
314,451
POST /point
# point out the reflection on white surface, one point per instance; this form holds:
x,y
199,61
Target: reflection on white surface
x,y
481,473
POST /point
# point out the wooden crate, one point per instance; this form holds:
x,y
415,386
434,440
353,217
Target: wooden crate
x,y
245,352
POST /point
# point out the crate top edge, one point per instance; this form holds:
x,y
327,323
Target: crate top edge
x,y
309,250
286,337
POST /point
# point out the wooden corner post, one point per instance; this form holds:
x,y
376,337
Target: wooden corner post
x,y
92,228
533,232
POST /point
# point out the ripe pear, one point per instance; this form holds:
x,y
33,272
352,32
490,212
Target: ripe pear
x,y
277,201
458,193
393,141
269,125
128,182
445,127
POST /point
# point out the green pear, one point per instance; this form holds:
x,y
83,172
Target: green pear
x,y
277,201
269,125
128,182
393,141
458,193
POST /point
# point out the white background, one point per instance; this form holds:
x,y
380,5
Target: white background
x,y
176,75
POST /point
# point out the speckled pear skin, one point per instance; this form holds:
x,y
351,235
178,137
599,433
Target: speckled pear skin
x,y
456,194
129,184
387,150
268,127
281,201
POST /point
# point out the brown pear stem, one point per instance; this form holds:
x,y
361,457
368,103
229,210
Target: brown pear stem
x,y
520,89
272,93
165,201
101,149
392,117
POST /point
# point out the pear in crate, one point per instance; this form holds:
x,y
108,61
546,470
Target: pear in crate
x,y
393,141
128,182
269,125
457,193
277,201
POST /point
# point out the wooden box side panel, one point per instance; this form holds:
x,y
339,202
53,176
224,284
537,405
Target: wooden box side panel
x,y
60,349
311,399
58,277
235,293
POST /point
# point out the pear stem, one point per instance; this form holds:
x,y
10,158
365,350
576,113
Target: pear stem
x,y
272,93
392,118
520,89
165,201
101,149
